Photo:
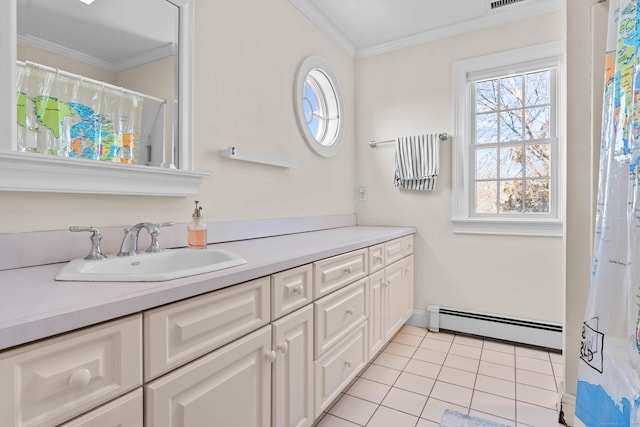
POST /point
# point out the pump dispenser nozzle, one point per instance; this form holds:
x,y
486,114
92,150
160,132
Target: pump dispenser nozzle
x,y
197,213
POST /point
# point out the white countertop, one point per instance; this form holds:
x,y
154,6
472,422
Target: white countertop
x,y
33,305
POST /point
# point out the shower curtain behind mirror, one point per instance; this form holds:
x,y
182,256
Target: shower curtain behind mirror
x,y
609,372
63,115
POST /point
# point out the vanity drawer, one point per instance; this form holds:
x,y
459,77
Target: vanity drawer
x,y
335,369
376,258
52,381
338,314
335,272
393,251
125,411
183,331
407,245
291,290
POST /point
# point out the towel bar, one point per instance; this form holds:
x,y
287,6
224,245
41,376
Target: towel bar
x,y
373,144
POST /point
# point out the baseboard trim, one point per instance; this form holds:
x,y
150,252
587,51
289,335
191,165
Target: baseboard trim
x,y
419,319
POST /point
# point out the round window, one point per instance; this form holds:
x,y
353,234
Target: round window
x,y
319,106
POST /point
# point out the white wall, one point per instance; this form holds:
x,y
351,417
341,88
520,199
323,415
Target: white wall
x,y
246,56
586,36
409,92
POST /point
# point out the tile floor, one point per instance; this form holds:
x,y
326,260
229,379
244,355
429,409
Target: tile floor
x,y
420,374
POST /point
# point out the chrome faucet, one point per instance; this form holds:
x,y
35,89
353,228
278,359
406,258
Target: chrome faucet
x,y
130,241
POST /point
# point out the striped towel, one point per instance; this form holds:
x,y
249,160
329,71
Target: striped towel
x,y
417,162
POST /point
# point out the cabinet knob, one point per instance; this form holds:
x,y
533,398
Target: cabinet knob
x,y
377,258
283,348
348,270
350,311
270,356
298,290
347,363
80,378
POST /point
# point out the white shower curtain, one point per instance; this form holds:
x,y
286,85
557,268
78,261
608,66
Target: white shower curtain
x,y
64,115
609,372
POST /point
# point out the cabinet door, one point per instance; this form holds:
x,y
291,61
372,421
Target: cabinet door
x,y
337,367
336,315
292,385
229,387
395,301
407,285
378,313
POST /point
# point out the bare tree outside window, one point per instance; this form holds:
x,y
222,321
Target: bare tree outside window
x,y
512,144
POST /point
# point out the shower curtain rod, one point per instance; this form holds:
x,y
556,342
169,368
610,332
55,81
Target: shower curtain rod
x,y
89,80
373,144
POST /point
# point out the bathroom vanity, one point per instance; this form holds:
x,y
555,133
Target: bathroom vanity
x,y
272,342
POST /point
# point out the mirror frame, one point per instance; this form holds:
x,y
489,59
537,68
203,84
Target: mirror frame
x,y
45,173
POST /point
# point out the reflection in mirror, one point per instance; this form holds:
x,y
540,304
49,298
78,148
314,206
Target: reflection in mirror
x,y
99,80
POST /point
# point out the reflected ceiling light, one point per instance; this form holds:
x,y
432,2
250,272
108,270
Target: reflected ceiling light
x,y
87,1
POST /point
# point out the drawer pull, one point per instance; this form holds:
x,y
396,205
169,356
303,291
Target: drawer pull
x,y
80,378
377,258
270,356
347,363
348,270
298,290
350,311
284,347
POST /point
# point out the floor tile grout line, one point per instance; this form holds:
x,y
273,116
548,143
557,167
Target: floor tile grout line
x,y
440,366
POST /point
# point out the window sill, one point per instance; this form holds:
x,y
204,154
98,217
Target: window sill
x,y
510,226
40,173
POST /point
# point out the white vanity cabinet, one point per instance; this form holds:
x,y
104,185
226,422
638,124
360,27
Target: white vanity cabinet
x,y
272,352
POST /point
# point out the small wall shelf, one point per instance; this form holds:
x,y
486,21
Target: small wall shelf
x,y
264,158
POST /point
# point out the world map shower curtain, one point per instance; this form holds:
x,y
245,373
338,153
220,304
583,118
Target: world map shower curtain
x,y
609,372
68,116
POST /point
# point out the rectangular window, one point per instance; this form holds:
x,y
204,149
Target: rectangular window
x,y
507,156
511,145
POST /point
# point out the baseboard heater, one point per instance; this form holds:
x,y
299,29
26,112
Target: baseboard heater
x,y
531,332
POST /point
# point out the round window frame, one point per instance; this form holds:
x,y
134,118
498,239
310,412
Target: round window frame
x,y
308,66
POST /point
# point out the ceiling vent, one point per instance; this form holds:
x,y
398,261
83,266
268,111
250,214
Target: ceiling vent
x,y
496,4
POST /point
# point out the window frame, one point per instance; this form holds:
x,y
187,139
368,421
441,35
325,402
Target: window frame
x,y
465,74
316,73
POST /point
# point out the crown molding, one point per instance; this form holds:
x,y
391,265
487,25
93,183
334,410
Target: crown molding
x,y
325,26
500,16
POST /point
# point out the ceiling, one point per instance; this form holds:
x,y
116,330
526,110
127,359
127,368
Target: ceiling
x,y
367,27
113,34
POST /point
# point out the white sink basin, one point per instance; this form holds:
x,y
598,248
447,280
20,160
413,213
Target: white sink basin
x,y
150,267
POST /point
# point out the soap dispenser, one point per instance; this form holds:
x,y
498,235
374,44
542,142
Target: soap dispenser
x,y
197,230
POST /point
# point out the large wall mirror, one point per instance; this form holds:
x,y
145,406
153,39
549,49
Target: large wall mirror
x,y
99,96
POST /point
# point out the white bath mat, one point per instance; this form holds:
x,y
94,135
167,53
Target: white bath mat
x,y
456,419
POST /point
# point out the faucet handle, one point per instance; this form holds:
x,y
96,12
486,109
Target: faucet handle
x,y
96,237
155,245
